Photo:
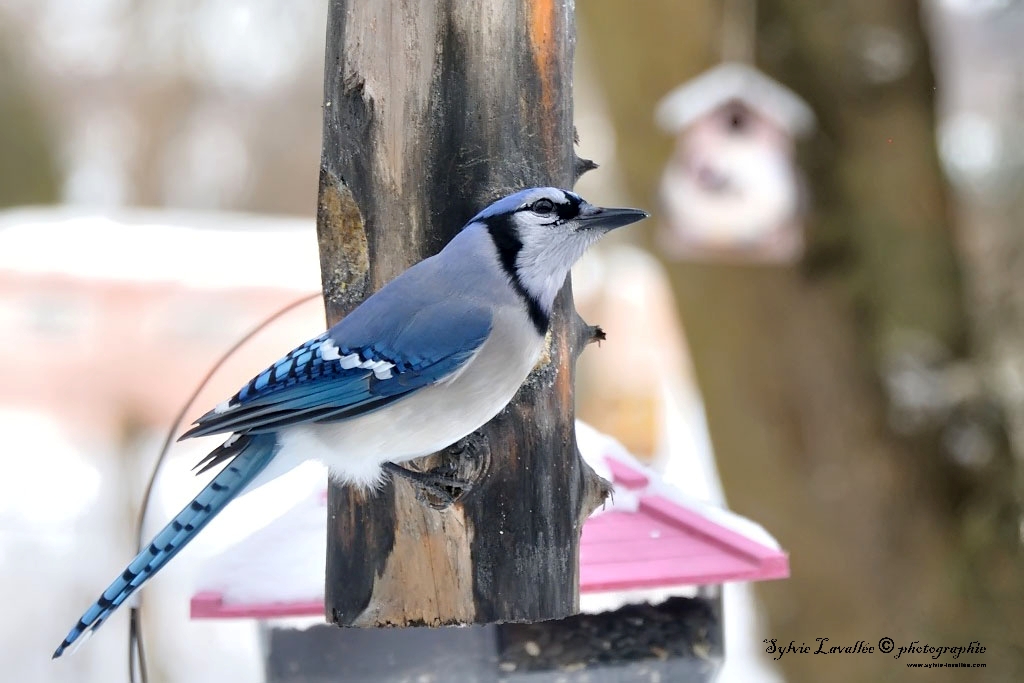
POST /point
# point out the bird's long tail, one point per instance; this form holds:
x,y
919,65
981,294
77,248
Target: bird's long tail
x,y
254,452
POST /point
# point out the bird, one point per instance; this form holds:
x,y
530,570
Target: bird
x,y
425,361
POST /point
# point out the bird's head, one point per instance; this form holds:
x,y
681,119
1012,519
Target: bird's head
x,y
541,232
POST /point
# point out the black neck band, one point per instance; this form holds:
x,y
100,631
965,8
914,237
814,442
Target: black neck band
x,y
508,246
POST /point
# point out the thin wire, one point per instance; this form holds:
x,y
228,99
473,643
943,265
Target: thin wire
x,y
136,650
136,647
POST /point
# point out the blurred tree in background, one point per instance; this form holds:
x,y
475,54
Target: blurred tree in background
x,y
843,396
28,174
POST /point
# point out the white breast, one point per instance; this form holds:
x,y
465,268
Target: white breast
x,y
430,419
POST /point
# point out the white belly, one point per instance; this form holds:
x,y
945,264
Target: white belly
x,y
427,421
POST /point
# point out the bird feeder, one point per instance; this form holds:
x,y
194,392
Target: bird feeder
x,y
731,191
643,559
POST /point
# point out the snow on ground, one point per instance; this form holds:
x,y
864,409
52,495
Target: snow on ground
x,y
66,520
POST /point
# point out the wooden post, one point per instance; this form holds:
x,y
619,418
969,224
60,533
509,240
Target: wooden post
x,y
432,110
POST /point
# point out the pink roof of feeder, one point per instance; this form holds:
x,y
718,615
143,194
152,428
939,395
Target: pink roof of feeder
x,y
663,543
657,543
210,605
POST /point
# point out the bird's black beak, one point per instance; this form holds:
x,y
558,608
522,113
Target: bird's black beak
x,y
596,217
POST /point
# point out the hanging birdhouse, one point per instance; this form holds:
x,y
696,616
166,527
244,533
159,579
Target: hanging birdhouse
x,y
731,190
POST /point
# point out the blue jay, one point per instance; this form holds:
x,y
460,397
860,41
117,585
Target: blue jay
x,y
425,361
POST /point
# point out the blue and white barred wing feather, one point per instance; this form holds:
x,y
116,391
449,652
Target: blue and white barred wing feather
x,y
339,375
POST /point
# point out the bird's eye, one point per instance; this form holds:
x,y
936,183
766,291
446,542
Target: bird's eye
x,y
543,207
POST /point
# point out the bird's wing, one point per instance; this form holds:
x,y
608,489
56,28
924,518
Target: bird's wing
x,y
347,372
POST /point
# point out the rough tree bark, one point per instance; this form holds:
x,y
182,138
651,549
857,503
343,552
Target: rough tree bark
x,y
432,110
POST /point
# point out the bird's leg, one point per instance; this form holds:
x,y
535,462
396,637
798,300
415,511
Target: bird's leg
x,y
470,449
437,489
452,472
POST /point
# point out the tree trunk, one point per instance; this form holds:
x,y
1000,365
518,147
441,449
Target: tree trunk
x,y
888,536
28,170
431,111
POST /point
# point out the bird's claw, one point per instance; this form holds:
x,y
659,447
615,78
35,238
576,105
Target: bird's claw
x,y
438,490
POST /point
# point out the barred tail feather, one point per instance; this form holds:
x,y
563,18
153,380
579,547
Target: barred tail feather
x,y
254,453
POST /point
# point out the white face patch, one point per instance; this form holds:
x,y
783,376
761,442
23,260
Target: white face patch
x,y
548,253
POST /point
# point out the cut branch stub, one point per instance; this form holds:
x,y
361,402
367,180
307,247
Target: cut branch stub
x,y
431,111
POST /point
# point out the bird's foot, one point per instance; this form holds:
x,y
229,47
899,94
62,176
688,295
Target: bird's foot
x,y
437,488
